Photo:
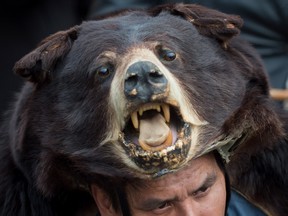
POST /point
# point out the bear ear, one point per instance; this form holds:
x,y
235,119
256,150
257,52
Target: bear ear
x,y
209,22
37,65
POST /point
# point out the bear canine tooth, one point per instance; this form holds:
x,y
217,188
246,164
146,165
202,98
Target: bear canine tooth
x,y
141,111
166,112
134,118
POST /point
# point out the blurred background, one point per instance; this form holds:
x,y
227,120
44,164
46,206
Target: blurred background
x,y
24,23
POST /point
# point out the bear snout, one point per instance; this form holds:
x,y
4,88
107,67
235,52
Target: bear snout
x,y
143,81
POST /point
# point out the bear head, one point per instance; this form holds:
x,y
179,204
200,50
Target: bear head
x,y
136,93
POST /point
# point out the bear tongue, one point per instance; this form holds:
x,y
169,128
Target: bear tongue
x,y
153,131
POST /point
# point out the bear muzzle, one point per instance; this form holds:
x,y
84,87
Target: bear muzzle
x,y
155,137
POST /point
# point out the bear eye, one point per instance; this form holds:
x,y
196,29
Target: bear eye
x,y
104,71
167,54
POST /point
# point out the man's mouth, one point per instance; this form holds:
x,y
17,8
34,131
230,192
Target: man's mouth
x,y
156,137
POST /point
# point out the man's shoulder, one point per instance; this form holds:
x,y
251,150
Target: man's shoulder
x,y
240,206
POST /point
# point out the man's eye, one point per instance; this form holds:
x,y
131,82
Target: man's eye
x,y
203,191
163,208
164,205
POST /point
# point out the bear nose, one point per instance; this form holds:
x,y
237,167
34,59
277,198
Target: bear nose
x,y
144,80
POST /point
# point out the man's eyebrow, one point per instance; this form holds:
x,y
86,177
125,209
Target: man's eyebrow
x,y
209,181
153,203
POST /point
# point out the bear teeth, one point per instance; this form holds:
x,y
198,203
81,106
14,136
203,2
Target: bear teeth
x,y
166,112
142,109
134,118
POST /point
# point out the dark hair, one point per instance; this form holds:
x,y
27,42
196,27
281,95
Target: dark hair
x,y
221,165
115,190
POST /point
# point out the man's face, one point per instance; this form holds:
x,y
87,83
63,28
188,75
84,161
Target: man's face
x,y
198,189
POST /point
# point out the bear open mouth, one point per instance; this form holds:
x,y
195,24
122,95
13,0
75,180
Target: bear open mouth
x,y
156,137
154,133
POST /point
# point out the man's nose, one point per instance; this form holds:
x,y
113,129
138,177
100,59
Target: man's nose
x,y
188,207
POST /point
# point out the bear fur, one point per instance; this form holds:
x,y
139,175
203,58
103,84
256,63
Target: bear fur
x,y
70,123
